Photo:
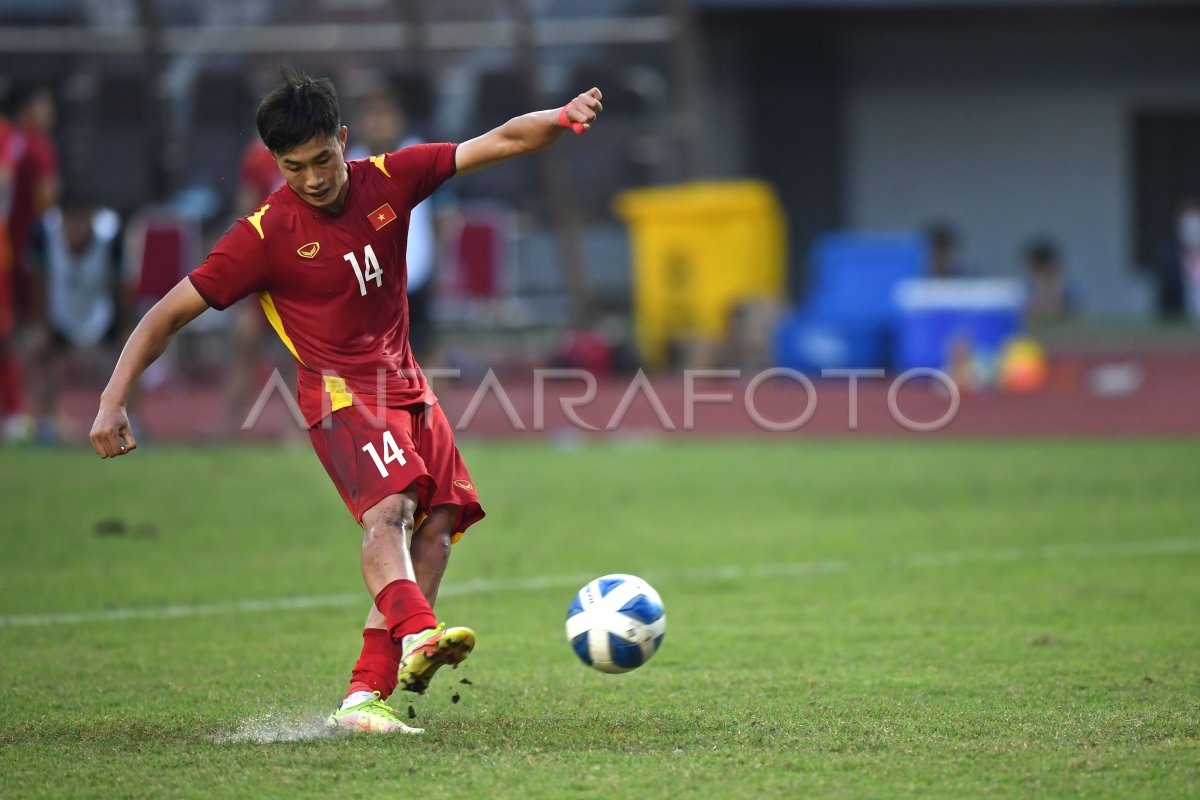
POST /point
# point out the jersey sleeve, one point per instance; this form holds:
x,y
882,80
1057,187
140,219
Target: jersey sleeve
x,y
236,267
418,170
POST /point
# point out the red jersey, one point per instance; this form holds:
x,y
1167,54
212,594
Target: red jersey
x,y
12,147
36,173
333,284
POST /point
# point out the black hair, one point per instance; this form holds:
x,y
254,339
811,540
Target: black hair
x,y
1041,254
21,95
941,234
297,110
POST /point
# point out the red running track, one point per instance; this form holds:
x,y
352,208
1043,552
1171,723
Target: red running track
x,y
1148,394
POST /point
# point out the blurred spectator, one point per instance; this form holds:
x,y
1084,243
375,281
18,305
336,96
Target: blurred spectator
x,y
13,424
1050,296
382,127
1179,273
36,182
601,351
81,295
33,188
944,256
258,177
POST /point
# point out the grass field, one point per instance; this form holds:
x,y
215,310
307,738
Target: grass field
x,y
844,619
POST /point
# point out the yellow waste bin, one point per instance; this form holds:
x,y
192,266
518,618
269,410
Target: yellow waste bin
x,y
699,251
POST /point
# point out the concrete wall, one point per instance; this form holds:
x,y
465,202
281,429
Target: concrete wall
x,y
1009,134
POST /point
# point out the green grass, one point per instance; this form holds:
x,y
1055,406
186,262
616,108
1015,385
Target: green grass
x,y
946,619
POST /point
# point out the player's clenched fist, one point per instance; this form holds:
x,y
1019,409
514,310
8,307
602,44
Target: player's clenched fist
x,y
580,113
111,435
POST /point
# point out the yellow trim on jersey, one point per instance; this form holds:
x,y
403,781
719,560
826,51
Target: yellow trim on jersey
x,y
255,219
378,161
273,317
336,388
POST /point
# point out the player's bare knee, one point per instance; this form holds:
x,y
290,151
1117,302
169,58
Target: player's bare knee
x,y
434,541
391,518
435,533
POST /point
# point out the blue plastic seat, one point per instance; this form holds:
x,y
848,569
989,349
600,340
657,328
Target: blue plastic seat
x,y
850,319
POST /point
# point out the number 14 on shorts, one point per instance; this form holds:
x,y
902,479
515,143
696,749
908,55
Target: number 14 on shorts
x,y
391,452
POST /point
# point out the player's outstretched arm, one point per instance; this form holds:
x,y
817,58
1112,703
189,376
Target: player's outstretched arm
x,y
111,435
528,133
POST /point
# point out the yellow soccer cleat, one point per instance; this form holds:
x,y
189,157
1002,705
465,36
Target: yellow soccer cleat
x,y
428,651
370,716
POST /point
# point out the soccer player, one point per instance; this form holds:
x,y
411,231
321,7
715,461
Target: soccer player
x,y
325,255
13,424
34,188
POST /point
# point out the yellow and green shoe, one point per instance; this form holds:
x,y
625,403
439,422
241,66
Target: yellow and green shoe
x,y
370,716
428,651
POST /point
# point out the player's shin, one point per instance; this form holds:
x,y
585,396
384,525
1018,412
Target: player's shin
x,y
405,609
387,567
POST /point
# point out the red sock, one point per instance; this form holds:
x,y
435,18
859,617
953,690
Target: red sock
x,y
405,609
11,401
377,666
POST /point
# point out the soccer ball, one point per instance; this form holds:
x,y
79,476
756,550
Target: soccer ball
x,y
615,623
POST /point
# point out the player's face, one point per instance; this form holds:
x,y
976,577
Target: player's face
x,y
316,170
77,225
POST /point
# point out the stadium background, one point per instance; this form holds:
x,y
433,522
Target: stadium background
x,y
1074,122
951,592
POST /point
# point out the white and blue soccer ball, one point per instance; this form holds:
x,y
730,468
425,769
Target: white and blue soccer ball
x,y
616,623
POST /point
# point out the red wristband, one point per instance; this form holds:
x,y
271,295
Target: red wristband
x,y
578,127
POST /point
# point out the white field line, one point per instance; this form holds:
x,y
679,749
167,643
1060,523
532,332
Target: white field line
x,y
1052,552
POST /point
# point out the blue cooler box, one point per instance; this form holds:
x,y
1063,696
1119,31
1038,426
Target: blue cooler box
x,y
936,315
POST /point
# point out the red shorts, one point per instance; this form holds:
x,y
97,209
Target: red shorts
x,y
370,457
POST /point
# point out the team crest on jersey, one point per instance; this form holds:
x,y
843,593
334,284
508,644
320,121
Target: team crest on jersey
x,y
463,484
308,250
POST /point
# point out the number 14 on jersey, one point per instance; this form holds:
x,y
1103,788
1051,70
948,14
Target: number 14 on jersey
x,y
372,272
